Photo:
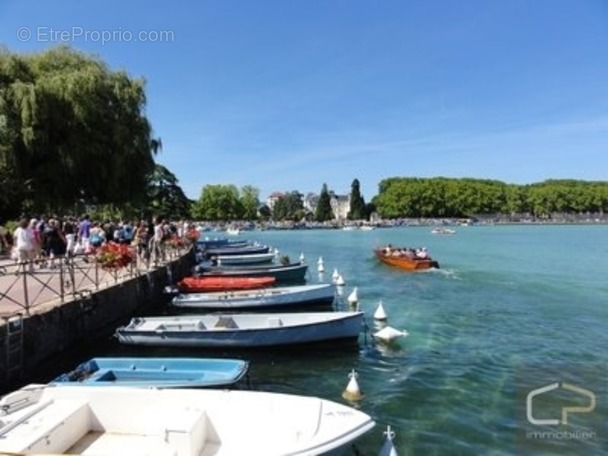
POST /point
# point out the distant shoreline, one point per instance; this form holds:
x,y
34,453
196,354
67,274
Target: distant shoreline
x,y
594,219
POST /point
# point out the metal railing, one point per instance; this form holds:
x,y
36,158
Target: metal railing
x,y
26,285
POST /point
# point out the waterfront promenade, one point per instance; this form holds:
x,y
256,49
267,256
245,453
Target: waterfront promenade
x,y
26,292
57,306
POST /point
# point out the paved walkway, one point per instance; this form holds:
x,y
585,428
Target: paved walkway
x,y
24,292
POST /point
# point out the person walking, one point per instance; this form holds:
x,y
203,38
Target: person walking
x,y
24,242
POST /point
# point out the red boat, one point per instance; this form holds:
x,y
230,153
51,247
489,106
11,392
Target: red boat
x,y
203,284
404,258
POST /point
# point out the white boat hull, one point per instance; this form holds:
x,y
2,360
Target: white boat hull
x,y
258,298
42,419
242,330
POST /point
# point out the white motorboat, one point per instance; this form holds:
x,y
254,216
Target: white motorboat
x,y
45,419
293,296
242,330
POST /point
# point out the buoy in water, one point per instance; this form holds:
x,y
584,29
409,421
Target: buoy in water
x,y
388,333
352,391
388,447
301,257
320,265
335,275
340,280
380,314
353,298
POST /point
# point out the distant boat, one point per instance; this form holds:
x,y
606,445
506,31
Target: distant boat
x,y
202,284
156,372
293,296
232,231
442,230
396,258
283,273
44,419
242,330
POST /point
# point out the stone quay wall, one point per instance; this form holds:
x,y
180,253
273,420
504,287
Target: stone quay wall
x,y
59,327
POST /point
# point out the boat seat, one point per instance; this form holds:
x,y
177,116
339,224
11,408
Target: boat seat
x,y
226,323
200,325
274,322
52,428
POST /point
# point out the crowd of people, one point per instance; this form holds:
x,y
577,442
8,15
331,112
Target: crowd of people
x,y
42,241
408,252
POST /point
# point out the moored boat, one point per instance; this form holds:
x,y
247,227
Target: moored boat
x,y
249,258
406,259
46,419
235,250
290,296
242,330
288,273
194,284
156,372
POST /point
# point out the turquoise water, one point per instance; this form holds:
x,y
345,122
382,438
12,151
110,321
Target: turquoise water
x,y
512,308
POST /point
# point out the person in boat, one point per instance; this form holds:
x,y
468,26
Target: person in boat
x,y
422,253
388,249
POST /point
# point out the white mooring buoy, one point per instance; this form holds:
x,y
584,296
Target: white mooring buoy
x,y
335,275
388,447
302,258
320,265
388,334
380,314
352,391
340,280
353,298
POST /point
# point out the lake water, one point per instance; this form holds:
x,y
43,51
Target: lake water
x,y
512,309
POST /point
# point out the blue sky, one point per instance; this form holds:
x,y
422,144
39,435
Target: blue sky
x,y
287,95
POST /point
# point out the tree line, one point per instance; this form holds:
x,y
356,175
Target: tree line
x,y
401,197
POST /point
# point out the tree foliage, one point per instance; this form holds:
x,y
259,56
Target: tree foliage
x,y
226,203
357,203
444,197
290,206
71,129
250,199
165,197
324,211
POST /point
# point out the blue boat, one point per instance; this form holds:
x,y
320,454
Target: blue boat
x,y
156,372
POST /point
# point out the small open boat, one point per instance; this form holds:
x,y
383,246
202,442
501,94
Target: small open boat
x,y
202,284
283,273
401,259
242,330
46,419
256,299
248,258
156,372
246,249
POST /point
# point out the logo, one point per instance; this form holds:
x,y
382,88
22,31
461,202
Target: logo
x,y
565,410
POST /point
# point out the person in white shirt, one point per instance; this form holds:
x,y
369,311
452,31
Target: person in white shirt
x,y
24,243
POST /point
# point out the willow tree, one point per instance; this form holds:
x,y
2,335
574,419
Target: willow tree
x,y
71,129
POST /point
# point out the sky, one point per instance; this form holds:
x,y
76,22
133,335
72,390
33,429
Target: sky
x,y
288,95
